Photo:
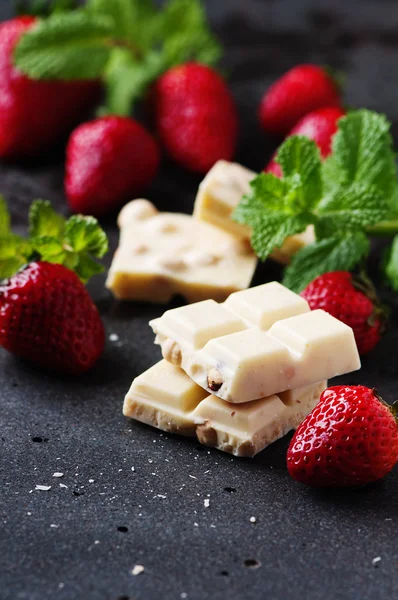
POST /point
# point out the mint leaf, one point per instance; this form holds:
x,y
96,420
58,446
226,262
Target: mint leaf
x,y
43,8
14,252
86,267
323,256
267,192
362,152
186,34
299,156
85,234
127,79
73,45
49,248
267,209
121,12
5,219
391,265
44,221
135,21
351,208
270,231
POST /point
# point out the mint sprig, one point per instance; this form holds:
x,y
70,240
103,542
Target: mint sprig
x,y
350,196
75,243
127,43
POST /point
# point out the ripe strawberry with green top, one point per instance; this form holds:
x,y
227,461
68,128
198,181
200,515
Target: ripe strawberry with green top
x,y
46,313
320,126
300,91
48,317
349,439
195,116
108,161
351,301
35,115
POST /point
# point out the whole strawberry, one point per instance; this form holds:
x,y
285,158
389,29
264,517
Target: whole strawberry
x,y
48,317
301,90
34,115
320,126
195,116
108,161
350,301
350,438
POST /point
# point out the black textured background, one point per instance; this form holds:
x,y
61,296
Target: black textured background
x,y
66,543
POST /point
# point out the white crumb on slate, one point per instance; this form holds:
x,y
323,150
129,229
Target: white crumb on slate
x,y
213,526
133,469
62,485
113,337
196,524
29,514
150,461
376,560
192,476
253,519
96,542
206,502
58,474
54,526
91,480
137,570
43,488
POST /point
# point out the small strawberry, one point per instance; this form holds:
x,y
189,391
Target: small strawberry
x,y
350,301
350,438
195,116
48,317
301,90
320,126
108,161
34,115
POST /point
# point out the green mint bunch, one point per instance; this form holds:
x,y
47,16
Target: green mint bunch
x,y
347,198
127,43
75,243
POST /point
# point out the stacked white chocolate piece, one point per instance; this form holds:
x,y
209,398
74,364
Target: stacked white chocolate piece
x,y
203,256
241,374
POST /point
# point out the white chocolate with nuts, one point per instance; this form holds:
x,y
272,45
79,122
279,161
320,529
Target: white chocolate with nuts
x,y
260,342
220,193
167,399
161,255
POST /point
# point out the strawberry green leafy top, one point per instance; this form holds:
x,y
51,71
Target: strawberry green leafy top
x,y
352,195
127,43
75,242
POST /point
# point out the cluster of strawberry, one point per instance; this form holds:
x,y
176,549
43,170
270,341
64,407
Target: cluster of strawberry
x,y
112,158
351,437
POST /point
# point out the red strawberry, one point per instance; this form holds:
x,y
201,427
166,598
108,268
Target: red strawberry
x,y
48,317
300,91
320,126
34,115
339,294
195,116
350,438
108,160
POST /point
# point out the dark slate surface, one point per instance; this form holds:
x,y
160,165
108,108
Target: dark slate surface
x,y
80,542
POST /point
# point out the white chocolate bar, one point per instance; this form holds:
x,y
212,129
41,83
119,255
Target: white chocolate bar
x,y
220,193
260,342
161,255
167,399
